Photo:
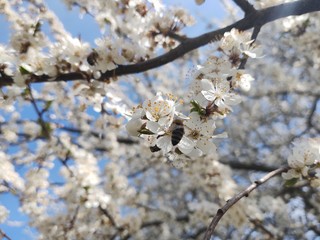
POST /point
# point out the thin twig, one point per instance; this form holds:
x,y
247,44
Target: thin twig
x,y
33,102
4,235
258,224
254,36
236,198
110,217
312,111
113,223
73,219
64,162
138,172
123,140
255,32
236,165
44,127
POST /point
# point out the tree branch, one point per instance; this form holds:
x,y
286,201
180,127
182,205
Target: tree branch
x,y
312,111
176,37
3,235
248,166
258,224
111,219
254,36
245,6
236,198
255,18
44,126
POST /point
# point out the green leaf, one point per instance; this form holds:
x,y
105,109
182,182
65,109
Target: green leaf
x,y
26,92
45,128
37,27
107,21
146,131
47,106
23,70
197,108
291,182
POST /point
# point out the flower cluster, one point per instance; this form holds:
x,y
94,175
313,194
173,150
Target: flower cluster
x,y
237,43
31,54
159,120
4,212
212,97
304,161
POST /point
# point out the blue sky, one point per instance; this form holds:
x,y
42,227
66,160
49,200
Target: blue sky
x,y
88,30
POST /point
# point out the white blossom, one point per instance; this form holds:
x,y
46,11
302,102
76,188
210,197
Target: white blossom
x,y
159,110
219,93
134,125
242,80
4,213
201,132
237,42
74,171
305,153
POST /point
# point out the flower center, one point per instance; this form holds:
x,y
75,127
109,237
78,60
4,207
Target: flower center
x,y
194,134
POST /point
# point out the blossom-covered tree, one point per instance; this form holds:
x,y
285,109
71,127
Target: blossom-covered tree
x,y
148,133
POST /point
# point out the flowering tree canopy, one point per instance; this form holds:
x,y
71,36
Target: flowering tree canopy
x,y
148,133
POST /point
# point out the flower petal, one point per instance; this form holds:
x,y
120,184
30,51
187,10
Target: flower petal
x,y
186,145
153,127
133,126
208,95
164,143
207,84
206,146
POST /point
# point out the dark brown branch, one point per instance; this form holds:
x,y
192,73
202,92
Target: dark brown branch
x,y
309,118
123,140
315,229
236,198
155,223
140,171
258,224
312,111
254,36
64,162
196,234
33,102
3,235
45,132
152,223
73,219
255,32
175,36
248,166
245,6
283,92
255,18
111,219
